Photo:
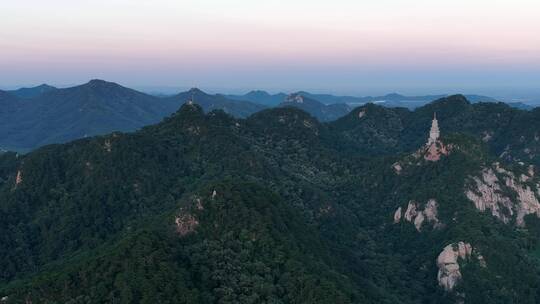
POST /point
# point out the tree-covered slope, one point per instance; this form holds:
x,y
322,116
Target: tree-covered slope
x,y
509,132
275,208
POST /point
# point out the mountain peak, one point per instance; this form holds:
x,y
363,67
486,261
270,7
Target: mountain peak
x,y
99,82
452,101
104,88
259,93
295,97
187,113
394,95
190,108
32,91
45,86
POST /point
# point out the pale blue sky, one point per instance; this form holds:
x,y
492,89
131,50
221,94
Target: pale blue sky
x,y
359,47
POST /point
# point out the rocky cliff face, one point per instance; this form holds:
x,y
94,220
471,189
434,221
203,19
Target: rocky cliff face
x,y
436,150
413,214
18,179
449,273
504,194
432,152
185,224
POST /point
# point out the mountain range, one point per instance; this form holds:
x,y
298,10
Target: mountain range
x,y
389,100
34,117
383,205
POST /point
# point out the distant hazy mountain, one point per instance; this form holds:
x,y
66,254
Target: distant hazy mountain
x,y
33,91
261,97
237,108
97,107
329,107
388,100
61,115
521,106
317,109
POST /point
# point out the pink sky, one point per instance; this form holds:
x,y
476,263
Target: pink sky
x,y
241,43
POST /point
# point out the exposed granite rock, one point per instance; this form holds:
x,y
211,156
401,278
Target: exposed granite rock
x,y
397,168
295,98
481,260
195,130
19,178
419,220
397,215
487,136
107,145
185,224
410,213
449,273
419,217
435,150
487,193
199,204
430,211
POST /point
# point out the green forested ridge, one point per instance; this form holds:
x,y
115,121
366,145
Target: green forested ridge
x,y
397,130
278,208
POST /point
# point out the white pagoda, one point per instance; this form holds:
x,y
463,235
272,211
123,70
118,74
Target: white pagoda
x,y
434,133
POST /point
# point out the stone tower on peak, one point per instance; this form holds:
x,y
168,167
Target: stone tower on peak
x,y
434,133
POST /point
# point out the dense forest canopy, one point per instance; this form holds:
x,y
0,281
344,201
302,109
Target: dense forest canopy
x,y
278,208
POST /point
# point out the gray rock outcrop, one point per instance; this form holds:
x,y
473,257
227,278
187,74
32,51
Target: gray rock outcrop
x,y
418,217
490,191
449,273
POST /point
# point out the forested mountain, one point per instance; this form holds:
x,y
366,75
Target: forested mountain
x,y
388,100
510,133
281,208
61,115
33,117
317,109
237,108
33,91
261,97
97,107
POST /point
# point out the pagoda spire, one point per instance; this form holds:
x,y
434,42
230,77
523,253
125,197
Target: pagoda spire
x,y
434,133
